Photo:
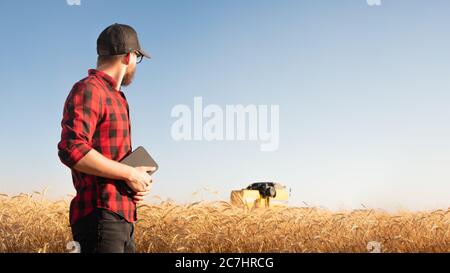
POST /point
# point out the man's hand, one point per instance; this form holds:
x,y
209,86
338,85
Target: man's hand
x,y
139,180
139,197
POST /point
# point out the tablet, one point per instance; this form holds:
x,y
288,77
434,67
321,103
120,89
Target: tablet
x,y
140,158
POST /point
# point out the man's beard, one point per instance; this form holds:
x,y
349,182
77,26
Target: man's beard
x,y
128,77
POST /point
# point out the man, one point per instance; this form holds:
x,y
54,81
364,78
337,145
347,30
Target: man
x,y
96,135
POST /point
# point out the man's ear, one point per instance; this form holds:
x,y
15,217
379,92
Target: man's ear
x,y
127,59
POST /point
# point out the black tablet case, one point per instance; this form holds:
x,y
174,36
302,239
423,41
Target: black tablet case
x,y
140,158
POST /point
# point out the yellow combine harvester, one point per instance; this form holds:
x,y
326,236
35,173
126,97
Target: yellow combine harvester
x,y
261,195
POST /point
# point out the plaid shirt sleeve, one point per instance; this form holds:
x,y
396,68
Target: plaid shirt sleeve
x,y
82,111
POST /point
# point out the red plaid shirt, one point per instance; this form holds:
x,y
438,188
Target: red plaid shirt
x,y
96,116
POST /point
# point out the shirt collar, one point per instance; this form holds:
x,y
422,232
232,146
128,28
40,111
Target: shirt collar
x,y
104,76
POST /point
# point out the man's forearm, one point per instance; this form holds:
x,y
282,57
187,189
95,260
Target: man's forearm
x,y
94,163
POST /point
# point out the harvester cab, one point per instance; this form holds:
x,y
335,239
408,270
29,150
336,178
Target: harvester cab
x,y
261,195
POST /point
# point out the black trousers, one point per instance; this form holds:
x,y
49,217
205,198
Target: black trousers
x,y
104,231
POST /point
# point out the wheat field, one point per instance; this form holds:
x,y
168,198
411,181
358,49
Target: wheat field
x,y
30,223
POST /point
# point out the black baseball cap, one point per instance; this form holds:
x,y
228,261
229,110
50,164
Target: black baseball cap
x,y
119,39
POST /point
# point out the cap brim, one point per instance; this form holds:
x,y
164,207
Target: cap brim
x,y
145,54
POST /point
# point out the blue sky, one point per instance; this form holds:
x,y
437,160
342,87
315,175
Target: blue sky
x,y
363,94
